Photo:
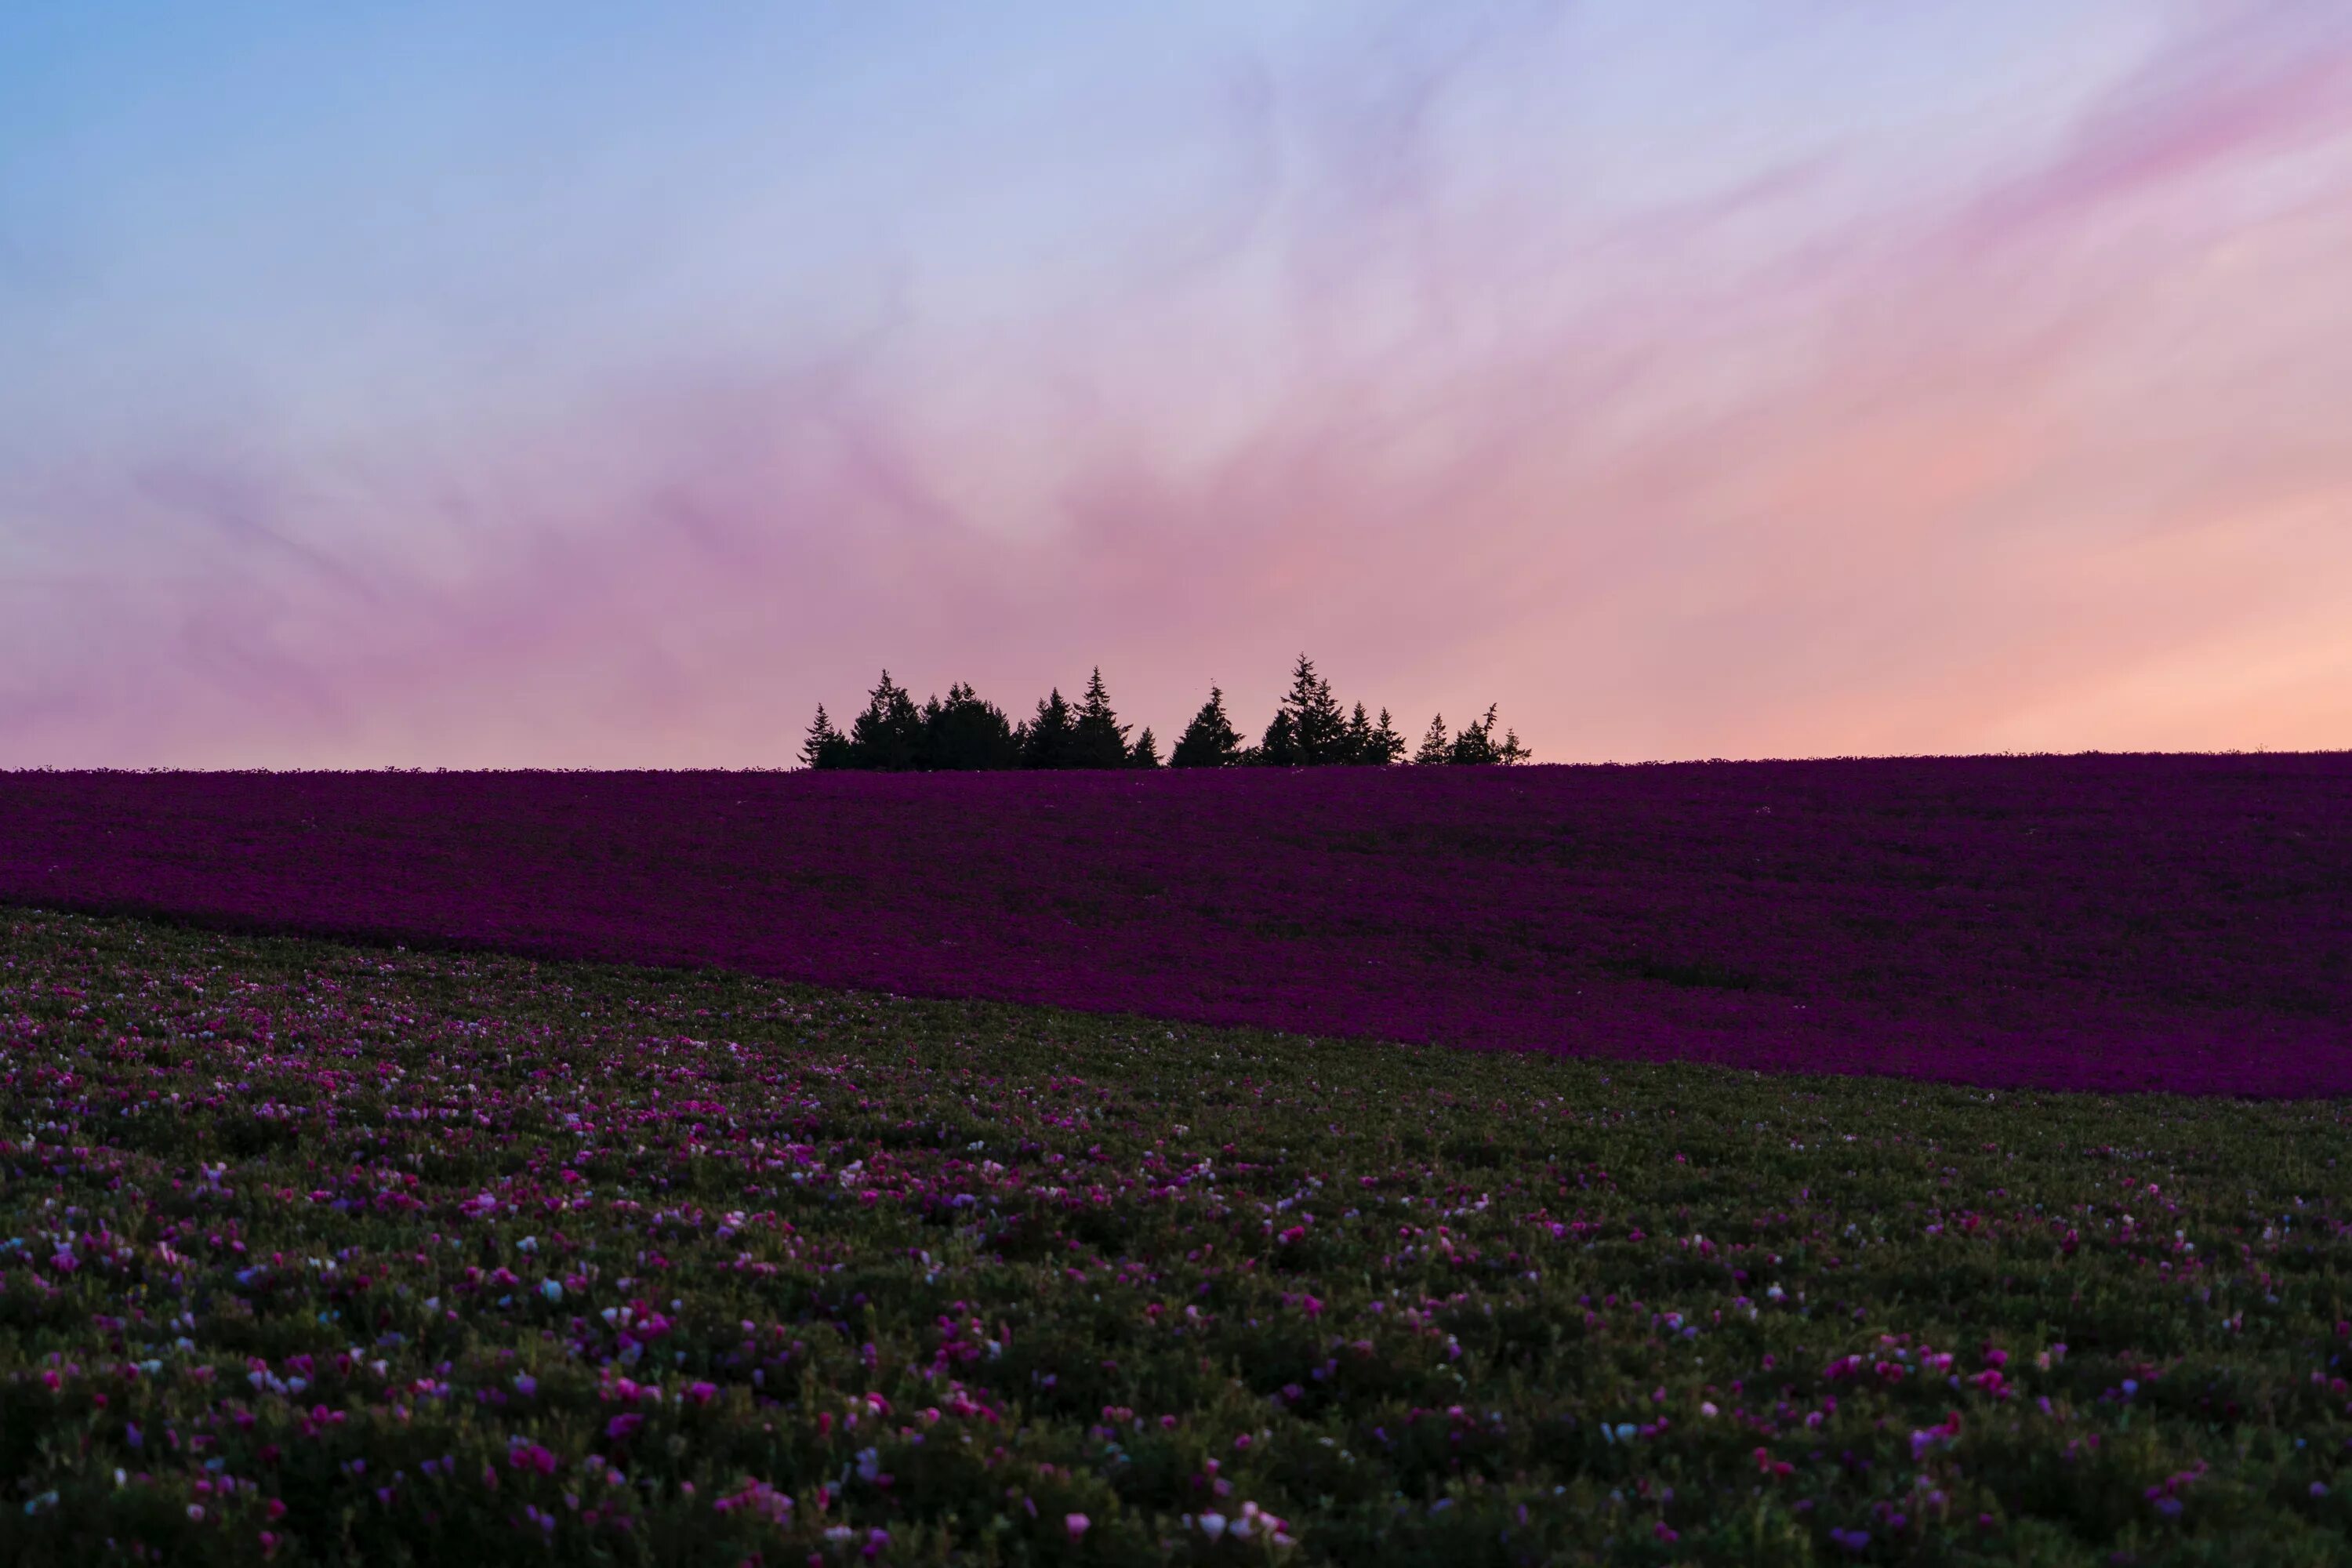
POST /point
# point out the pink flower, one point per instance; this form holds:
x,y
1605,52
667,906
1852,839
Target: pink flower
x,y
1077,1524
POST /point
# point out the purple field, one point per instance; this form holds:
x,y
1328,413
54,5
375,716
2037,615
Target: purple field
x,y
2111,922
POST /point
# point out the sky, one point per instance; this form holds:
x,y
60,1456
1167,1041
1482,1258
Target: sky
x,y
598,386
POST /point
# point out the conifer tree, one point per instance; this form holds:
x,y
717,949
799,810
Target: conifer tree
x,y
1046,741
1209,741
889,734
966,732
1477,745
1097,740
1370,745
1309,729
1278,747
825,747
1146,753
1435,750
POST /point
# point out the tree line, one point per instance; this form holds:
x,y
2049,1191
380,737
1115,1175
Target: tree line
x,y
966,731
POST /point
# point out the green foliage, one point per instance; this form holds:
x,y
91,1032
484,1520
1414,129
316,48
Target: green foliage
x,y
956,1272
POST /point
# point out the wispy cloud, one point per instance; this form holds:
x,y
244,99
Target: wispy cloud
x,y
2039,452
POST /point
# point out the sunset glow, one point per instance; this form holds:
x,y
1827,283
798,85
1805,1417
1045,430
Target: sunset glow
x,y
395,385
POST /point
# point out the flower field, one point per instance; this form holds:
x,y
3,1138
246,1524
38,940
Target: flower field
x,y
312,1252
2180,923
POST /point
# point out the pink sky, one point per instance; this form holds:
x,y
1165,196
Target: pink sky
x,y
1832,383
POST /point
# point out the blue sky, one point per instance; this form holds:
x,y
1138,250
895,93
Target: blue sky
x,y
573,384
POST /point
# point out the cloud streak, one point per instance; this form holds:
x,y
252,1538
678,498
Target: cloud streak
x,y
1794,458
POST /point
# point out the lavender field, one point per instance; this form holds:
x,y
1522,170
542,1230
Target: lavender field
x,y
2108,922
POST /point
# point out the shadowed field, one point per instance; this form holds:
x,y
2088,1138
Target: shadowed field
x,y
2140,921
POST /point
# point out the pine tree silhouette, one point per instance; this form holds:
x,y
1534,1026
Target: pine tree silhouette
x,y
1209,741
1046,741
1278,747
1308,731
965,733
1146,753
889,734
825,747
1477,745
1434,750
1386,746
1097,740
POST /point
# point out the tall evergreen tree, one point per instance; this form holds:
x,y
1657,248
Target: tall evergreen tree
x,y
966,732
1209,741
1477,745
1309,729
1386,746
825,747
1436,752
1146,752
1046,741
1097,740
889,734
1278,747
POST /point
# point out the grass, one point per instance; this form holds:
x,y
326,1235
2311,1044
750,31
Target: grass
x,y
320,1253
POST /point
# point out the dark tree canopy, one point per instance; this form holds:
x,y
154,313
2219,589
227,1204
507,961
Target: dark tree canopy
x,y
825,747
1435,750
1097,740
1048,740
1309,730
1477,745
889,734
965,732
1209,741
1370,745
